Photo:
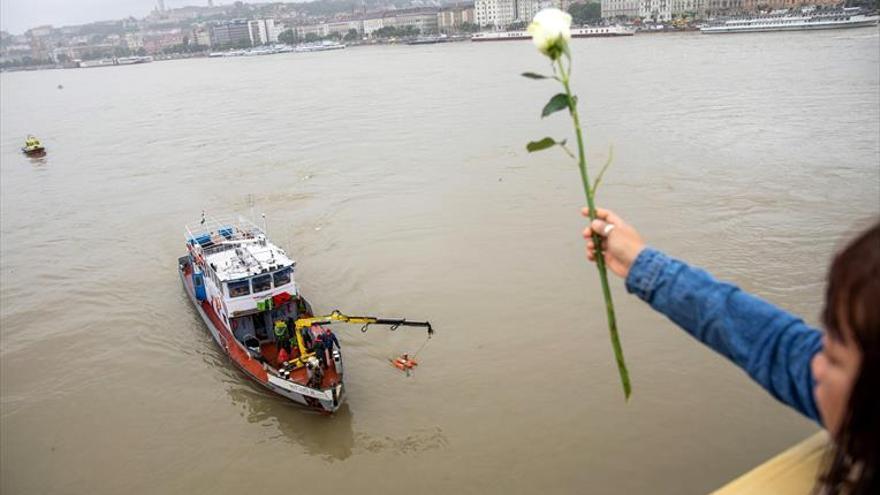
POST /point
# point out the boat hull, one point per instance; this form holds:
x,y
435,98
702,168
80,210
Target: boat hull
x,y
426,42
601,35
326,400
512,38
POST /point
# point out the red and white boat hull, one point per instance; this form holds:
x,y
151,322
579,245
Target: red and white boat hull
x,y
328,398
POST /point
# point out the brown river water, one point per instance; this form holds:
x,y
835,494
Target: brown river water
x,y
397,178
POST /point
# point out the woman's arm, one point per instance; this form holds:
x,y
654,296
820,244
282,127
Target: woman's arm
x,y
774,347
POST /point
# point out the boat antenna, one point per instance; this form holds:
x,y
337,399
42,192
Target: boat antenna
x,y
265,225
250,201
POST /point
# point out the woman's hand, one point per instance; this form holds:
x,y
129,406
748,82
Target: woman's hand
x,y
621,243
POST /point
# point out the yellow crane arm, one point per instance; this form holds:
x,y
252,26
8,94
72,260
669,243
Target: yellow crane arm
x,y
336,316
332,318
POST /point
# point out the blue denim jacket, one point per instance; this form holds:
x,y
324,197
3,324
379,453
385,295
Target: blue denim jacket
x,y
774,347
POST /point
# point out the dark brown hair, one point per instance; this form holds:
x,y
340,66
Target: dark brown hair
x,y
852,313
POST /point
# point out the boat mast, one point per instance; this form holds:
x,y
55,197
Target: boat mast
x,y
250,200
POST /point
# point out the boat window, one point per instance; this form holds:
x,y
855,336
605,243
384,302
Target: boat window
x,y
262,283
282,277
239,288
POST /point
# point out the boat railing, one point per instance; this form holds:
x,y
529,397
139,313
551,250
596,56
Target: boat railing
x,y
210,231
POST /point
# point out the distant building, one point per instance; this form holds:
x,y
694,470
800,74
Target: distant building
x,y
343,27
319,30
40,41
12,53
756,5
450,19
613,9
714,7
371,25
526,9
659,10
134,41
200,36
497,13
69,30
502,13
230,33
664,10
425,20
156,41
183,14
689,8
86,52
263,32
40,32
722,7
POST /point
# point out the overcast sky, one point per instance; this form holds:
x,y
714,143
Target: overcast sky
x,y
17,16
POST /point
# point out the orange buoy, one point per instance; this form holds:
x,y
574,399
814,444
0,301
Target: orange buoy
x,y
404,363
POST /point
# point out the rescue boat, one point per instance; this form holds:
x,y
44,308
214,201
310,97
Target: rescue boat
x,y
33,147
242,285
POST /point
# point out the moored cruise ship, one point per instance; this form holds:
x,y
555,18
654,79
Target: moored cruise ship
x,y
845,18
584,32
109,62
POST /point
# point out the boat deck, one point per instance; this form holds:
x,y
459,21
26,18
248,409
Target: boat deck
x,y
299,375
269,350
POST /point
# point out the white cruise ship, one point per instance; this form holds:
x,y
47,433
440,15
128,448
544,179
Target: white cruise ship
x,y
583,32
845,18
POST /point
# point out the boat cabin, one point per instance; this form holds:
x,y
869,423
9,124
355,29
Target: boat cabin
x,y
246,279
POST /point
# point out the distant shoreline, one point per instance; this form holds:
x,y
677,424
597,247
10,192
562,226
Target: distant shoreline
x,y
206,53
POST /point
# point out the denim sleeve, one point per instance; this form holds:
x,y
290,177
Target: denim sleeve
x,y
774,347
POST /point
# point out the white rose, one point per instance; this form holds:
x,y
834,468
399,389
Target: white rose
x,y
551,30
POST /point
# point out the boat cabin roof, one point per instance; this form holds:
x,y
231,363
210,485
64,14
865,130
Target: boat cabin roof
x,y
235,248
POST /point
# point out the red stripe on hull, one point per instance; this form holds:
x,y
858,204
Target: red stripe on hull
x,y
241,358
227,342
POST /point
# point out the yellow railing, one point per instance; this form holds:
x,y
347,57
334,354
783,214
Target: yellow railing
x,y
794,471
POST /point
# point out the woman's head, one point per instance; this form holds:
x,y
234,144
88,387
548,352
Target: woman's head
x,y
847,371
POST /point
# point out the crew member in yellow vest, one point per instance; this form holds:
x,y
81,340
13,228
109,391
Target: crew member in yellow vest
x,y
282,339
